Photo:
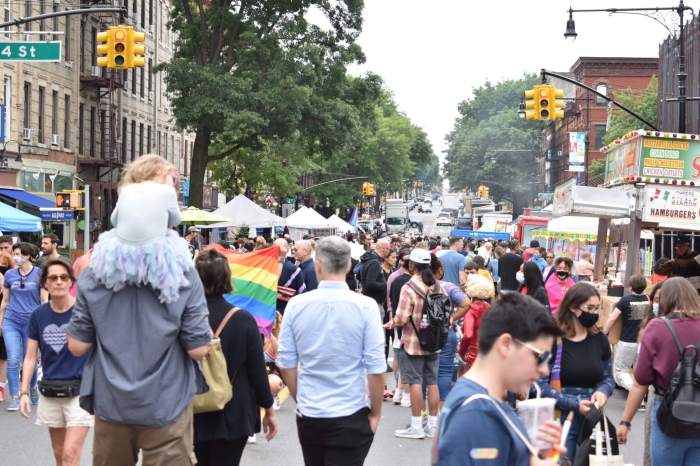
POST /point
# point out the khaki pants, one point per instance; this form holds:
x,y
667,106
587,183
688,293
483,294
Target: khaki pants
x,y
169,445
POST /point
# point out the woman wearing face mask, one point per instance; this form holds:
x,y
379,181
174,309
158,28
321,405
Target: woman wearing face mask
x,y
559,282
531,283
22,293
581,368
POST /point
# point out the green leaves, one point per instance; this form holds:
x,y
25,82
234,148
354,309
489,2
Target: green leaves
x,y
644,104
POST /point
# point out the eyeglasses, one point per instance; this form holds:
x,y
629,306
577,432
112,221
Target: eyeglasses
x,y
590,309
54,278
542,357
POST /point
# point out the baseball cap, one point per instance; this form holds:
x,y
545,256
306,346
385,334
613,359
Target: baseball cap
x,y
193,230
419,256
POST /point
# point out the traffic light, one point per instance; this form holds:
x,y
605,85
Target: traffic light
x,y
72,199
557,104
63,200
120,47
137,49
531,108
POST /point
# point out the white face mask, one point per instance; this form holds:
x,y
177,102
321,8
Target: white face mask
x,y
520,277
18,260
655,309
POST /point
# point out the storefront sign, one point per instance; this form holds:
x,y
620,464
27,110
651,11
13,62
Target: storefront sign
x,y
622,161
57,215
672,205
675,159
577,151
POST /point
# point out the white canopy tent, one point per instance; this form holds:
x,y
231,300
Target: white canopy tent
x,y
243,212
306,221
341,225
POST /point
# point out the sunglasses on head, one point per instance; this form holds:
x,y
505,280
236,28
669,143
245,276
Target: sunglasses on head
x,y
542,357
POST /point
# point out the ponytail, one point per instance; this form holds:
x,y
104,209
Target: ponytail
x,y
426,275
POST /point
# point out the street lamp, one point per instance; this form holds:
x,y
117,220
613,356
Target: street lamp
x,y
18,158
682,99
570,33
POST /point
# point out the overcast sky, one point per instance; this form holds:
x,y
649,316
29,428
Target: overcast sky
x,y
432,53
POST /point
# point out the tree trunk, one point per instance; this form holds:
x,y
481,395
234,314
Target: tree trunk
x,y
200,160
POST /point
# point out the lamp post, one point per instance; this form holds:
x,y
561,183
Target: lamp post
x,y
571,35
18,159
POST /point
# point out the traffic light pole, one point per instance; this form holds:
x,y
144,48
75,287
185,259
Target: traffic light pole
x,y
86,219
545,73
80,11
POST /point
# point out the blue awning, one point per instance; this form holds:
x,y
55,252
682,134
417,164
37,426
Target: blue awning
x,y
497,235
28,198
14,220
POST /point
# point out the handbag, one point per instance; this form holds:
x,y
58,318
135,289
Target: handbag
x,y
607,457
59,388
213,367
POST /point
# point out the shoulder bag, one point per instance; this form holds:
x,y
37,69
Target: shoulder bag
x,y
215,372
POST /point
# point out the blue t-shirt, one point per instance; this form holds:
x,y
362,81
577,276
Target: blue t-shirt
x,y
452,264
49,328
23,300
491,444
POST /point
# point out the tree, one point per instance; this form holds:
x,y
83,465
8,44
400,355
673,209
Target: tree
x,y
491,145
643,103
248,76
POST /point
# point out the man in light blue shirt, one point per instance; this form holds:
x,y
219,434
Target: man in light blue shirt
x,y
453,263
331,348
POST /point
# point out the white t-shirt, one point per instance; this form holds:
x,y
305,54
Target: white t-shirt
x,y
145,211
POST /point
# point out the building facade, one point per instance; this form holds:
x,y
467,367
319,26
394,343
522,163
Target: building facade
x,y
71,122
586,112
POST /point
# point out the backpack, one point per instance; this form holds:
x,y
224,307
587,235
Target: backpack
x,y
679,413
435,320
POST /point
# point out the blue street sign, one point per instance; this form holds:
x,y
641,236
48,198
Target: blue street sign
x,y
58,215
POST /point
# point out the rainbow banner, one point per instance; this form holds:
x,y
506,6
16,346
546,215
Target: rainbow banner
x,y
254,278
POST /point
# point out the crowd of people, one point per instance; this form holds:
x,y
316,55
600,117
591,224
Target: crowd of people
x,y
467,329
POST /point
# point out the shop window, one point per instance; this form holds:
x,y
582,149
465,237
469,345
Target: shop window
x,y
603,89
31,181
62,183
600,131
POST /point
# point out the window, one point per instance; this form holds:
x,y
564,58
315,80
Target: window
x,y
7,98
158,143
32,181
93,115
82,45
603,89
7,15
55,18
66,40
165,137
140,139
133,140
40,127
150,75
81,128
27,104
600,131
42,23
124,135
54,113
148,140
103,134
61,183
143,78
143,13
150,12
66,122
28,12
133,7
93,48
133,80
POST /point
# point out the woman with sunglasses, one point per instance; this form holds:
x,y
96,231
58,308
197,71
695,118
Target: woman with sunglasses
x,y
22,293
58,408
581,366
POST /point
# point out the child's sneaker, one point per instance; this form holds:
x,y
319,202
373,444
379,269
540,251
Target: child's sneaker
x,y
397,396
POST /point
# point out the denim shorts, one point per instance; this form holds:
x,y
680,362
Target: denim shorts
x,y
418,369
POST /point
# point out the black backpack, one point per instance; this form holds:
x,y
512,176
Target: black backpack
x,y
437,309
679,413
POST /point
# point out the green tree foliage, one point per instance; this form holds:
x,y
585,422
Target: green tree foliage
x,y
491,145
643,103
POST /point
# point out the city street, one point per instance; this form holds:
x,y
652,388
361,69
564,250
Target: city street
x,y
23,443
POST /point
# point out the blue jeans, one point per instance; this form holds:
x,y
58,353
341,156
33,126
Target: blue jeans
x,y
16,337
577,422
669,451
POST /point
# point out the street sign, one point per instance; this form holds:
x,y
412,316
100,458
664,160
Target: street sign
x,y
38,51
58,215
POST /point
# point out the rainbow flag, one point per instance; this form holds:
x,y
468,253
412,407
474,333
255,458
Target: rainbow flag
x,y
254,278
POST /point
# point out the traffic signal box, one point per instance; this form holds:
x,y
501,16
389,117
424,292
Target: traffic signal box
x,y
73,200
367,189
544,102
120,47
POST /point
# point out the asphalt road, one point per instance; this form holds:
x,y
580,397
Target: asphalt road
x,y
23,443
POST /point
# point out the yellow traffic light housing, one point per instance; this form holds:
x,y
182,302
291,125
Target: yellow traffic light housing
x,y
557,111
544,102
137,49
103,49
119,44
531,109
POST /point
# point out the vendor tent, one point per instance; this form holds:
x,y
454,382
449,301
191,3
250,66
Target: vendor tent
x,y
306,221
12,219
242,212
195,215
341,225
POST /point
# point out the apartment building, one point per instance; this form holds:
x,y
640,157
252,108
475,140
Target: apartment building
x,y
70,123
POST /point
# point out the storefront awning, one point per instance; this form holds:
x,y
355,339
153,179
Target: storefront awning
x,y
28,198
14,220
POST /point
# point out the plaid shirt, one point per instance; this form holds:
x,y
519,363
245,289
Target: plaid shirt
x,y
411,304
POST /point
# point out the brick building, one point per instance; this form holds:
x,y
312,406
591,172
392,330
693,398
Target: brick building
x,y
588,112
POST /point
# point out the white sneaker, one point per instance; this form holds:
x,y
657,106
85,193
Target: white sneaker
x,y
405,400
253,439
410,432
276,403
397,396
429,432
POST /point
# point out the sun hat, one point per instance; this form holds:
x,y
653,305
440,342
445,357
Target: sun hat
x,y
479,287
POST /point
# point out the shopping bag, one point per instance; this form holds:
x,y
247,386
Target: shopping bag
x,y
604,454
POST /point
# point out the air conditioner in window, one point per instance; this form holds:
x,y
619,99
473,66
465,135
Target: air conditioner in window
x,y
96,72
55,140
27,135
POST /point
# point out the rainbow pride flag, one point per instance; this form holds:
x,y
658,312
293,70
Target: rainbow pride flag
x,y
254,278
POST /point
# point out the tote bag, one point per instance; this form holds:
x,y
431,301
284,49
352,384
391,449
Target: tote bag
x,y
215,372
607,458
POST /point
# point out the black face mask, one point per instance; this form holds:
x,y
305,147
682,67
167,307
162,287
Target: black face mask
x,y
562,275
587,319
